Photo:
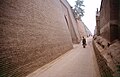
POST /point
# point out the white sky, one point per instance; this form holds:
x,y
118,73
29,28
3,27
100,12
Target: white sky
x,y
90,8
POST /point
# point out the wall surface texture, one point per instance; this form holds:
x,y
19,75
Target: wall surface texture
x,y
32,33
81,28
109,19
119,20
97,23
107,44
108,57
105,19
71,22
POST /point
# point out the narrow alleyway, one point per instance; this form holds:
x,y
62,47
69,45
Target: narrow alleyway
x,y
78,62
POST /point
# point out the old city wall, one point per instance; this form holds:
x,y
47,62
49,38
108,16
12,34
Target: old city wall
x,y
81,28
107,45
68,21
114,20
109,18
72,25
32,33
108,57
119,20
104,69
98,24
105,19
88,32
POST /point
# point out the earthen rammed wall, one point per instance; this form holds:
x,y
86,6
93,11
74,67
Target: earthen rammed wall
x,y
107,47
119,20
32,33
72,24
105,19
109,19
81,28
68,22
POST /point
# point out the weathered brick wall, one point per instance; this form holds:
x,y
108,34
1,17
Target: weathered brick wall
x,y
105,71
105,19
32,33
98,22
68,22
114,8
87,31
109,16
107,47
119,20
71,21
104,13
105,31
81,28
114,19
108,57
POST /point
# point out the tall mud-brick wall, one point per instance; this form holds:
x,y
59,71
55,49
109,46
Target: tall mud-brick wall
x,y
32,33
105,19
119,19
71,21
114,17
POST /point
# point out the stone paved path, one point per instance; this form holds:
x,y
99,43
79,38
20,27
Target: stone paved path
x,y
78,62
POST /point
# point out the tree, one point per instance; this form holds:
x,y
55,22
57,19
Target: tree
x,y
78,10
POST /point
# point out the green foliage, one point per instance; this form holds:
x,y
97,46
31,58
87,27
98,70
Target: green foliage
x,y
78,10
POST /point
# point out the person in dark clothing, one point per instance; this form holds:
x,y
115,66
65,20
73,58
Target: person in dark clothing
x,y
84,42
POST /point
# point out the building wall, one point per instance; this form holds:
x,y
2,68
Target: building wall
x,y
95,30
105,19
72,26
114,8
108,46
114,19
88,32
67,17
98,27
119,20
97,23
81,28
104,13
109,16
32,33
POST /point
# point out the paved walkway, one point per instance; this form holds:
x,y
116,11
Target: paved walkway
x,y
78,62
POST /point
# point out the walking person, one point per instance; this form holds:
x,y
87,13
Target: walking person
x,y
84,42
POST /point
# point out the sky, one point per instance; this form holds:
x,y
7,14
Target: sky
x,y
90,8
